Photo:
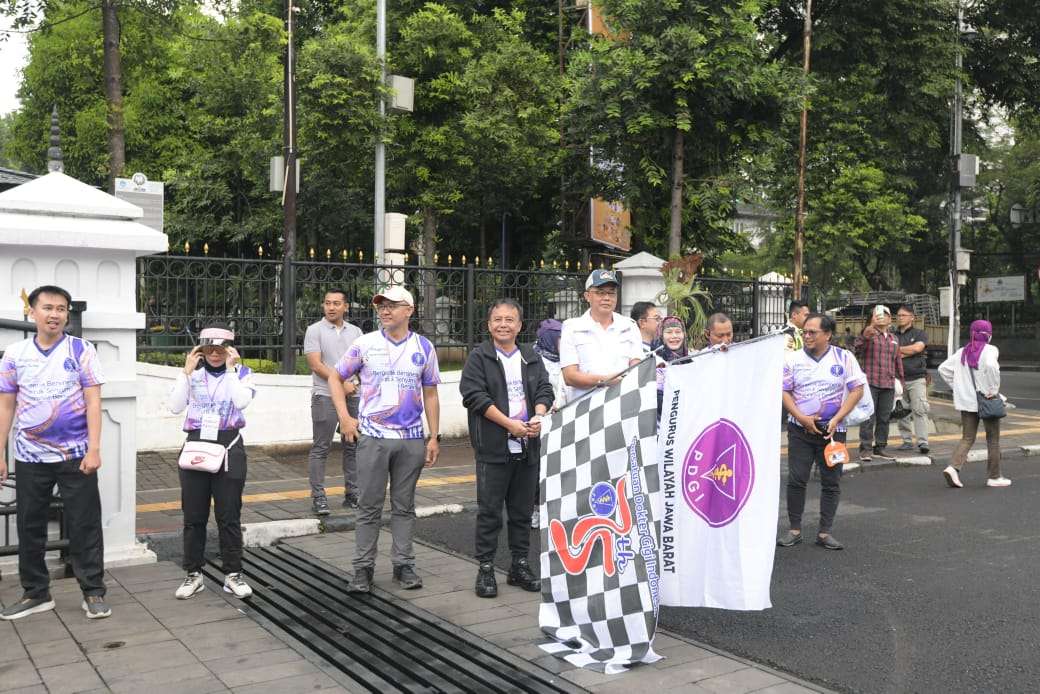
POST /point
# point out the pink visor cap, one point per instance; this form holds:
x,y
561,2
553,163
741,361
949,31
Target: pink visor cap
x,y
216,337
396,294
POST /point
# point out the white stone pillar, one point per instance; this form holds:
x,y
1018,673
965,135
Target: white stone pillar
x,y
57,230
641,280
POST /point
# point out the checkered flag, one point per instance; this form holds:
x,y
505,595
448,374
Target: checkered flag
x,y
599,562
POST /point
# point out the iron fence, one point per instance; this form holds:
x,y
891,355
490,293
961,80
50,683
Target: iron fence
x,y
754,307
179,295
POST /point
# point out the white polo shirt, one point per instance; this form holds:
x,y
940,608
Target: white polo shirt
x,y
598,350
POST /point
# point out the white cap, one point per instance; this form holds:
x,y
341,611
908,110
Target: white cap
x,y
397,294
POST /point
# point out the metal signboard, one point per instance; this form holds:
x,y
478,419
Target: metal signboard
x,y
993,289
148,195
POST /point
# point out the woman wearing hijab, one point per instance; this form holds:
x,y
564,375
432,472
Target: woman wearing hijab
x,y
671,339
213,388
974,369
548,348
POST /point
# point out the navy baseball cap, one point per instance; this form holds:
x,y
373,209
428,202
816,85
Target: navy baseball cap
x,y
598,278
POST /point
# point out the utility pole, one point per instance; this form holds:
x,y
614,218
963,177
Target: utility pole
x,y
380,191
956,117
803,137
289,201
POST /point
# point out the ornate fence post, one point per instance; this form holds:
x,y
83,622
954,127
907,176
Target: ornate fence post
x,y
471,300
755,327
288,317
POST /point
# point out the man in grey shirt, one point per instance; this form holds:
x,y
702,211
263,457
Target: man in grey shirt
x,y
325,342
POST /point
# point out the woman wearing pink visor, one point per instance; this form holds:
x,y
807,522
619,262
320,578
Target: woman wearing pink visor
x,y
214,388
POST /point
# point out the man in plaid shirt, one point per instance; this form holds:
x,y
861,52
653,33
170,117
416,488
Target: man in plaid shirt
x,y
878,354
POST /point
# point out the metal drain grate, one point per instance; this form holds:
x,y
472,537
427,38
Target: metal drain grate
x,y
383,644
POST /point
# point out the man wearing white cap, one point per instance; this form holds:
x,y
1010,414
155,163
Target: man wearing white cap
x,y
399,378
598,345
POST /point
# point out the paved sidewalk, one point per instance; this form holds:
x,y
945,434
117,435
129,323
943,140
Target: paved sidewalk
x,y
510,621
152,643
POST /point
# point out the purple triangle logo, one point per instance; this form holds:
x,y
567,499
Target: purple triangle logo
x,y
718,473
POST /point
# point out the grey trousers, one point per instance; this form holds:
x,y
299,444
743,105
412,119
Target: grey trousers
x,y
323,425
915,398
401,461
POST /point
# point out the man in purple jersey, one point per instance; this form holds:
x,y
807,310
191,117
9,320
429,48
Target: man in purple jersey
x,y
50,386
399,378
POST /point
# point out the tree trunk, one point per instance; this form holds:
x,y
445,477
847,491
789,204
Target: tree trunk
x,y
113,92
675,228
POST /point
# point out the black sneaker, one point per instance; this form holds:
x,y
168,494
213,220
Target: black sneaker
x,y
350,500
883,454
95,607
907,446
320,506
828,542
789,539
362,582
864,455
487,586
520,574
923,448
26,607
406,577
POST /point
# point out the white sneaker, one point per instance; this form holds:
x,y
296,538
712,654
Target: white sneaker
x,y
998,482
192,584
237,586
953,478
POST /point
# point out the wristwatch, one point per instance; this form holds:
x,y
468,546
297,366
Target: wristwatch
x,y
434,436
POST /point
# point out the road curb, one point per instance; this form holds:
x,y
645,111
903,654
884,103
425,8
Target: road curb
x,y
976,456
267,533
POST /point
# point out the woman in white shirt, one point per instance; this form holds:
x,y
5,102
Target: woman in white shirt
x,y
976,359
213,389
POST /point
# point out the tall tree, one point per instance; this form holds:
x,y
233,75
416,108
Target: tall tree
x,y
670,103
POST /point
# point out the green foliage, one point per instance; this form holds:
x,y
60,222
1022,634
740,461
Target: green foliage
x,y
685,299
699,68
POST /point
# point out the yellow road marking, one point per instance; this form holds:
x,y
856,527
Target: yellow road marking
x,y
295,494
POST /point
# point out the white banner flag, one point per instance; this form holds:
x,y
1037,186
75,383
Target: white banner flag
x,y
719,444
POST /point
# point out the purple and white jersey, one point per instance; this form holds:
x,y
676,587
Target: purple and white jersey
x,y
393,375
50,411
214,394
819,385
512,365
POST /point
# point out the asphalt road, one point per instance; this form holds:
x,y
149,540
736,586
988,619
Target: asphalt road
x,y
1020,387
937,591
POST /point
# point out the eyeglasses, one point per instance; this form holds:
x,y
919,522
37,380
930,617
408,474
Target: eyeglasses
x,y
603,292
389,305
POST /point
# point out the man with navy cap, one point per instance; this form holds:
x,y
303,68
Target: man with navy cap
x,y
601,343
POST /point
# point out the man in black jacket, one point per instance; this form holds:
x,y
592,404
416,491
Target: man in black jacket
x,y
506,389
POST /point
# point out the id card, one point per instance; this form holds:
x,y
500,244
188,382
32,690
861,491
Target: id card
x,y
388,394
210,427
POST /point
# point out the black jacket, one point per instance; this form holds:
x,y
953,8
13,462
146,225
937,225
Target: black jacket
x,y
483,384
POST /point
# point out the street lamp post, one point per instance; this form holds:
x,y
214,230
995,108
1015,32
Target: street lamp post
x,y
289,201
380,191
956,166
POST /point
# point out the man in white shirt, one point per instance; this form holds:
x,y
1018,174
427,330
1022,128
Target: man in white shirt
x,y
598,345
